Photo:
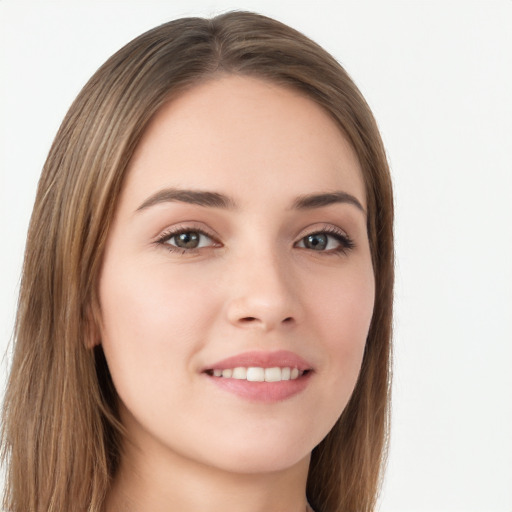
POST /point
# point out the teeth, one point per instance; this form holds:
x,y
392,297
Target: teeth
x,y
272,374
239,373
257,374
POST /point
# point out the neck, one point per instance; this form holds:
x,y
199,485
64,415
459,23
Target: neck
x,y
163,482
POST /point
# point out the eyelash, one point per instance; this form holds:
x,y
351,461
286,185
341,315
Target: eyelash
x,y
179,230
346,243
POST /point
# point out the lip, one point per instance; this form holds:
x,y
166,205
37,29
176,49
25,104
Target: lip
x,y
261,359
263,392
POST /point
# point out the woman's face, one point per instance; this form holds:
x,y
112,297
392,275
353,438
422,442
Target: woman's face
x,y
239,242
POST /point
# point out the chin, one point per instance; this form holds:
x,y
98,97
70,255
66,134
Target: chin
x,y
263,451
262,462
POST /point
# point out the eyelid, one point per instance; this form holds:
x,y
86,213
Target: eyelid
x,y
345,241
322,228
183,227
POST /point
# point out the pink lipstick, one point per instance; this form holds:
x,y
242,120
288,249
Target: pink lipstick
x,y
261,376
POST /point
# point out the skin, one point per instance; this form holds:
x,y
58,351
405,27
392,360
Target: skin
x,y
252,285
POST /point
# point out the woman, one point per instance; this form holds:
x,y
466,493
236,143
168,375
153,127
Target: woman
x,y
205,309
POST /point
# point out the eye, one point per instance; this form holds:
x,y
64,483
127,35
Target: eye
x,y
186,239
330,241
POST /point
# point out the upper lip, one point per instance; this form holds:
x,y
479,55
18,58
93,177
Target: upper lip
x,y
261,359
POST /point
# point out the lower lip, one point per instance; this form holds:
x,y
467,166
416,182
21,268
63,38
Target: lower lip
x,y
268,392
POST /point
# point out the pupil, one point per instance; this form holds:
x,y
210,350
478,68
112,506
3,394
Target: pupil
x,y
189,240
316,242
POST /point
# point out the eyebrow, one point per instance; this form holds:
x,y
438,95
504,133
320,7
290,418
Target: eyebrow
x,y
198,197
217,200
310,201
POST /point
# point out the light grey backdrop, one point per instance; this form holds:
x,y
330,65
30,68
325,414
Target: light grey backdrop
x,y
438,76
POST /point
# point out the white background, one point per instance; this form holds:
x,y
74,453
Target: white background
x,y
438,75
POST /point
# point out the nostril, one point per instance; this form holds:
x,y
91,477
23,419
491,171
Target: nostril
x,y
251,319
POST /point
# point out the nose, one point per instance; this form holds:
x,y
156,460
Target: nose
x,y
263,295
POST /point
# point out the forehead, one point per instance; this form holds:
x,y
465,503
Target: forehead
x,y
243,135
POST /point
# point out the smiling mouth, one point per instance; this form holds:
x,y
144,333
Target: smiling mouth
x,y
264,377
258,374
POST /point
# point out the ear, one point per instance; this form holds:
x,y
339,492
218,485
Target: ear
x,y
92,326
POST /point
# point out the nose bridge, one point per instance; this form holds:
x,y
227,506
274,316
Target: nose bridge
x,y
263,293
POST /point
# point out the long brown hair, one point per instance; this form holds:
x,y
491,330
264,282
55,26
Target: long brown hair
x,y
61,433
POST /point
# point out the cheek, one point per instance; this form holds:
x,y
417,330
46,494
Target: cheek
x,y
345,305
144,301
151,324
344,310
